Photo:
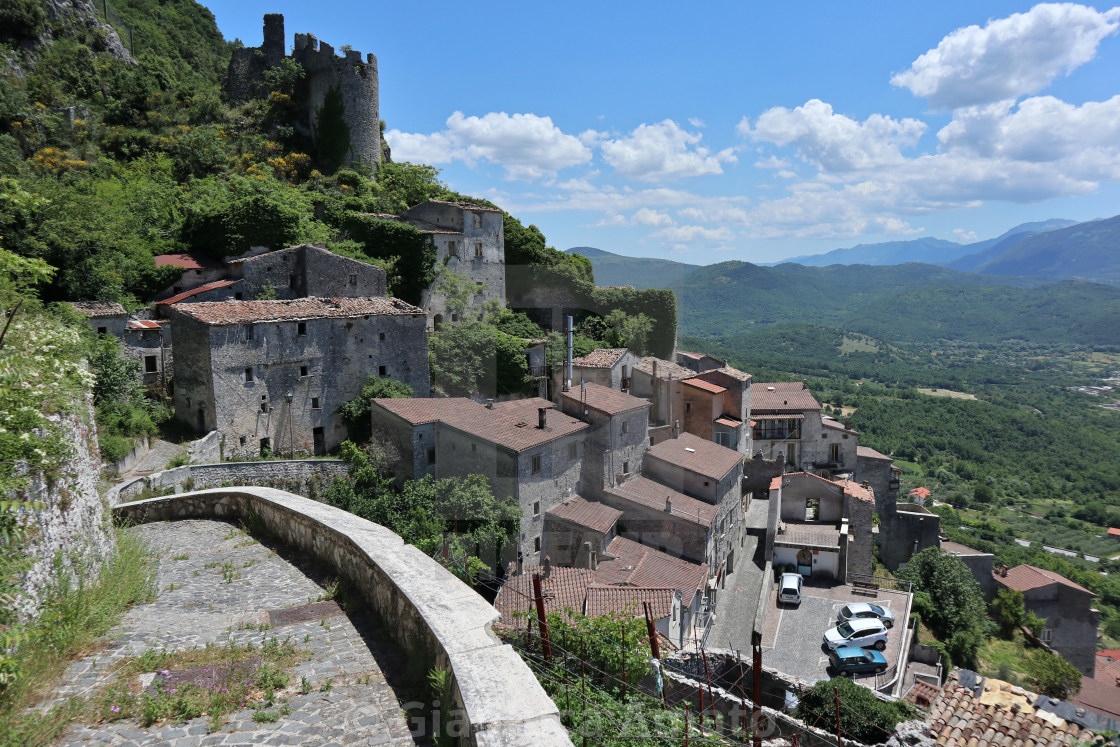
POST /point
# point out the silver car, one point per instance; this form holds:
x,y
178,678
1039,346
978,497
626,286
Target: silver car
x,y
861,610
865,633
789,588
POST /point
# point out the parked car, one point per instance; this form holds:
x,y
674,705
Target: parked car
x,y
860,610
851,660
863,633
789,588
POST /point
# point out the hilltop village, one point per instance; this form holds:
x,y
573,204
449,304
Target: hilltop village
x,y
722,516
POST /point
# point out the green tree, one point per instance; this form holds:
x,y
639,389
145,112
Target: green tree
x,y
356,414
332,134
474,357
625,331
1053,675
863,717
949,601
1008,611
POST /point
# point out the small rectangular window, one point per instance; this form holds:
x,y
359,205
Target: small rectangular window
x,y
102,330
292,281
451,251
535,464
315,404
248,331
536,544
626,468
474,447
536,508
431,456
625,427
151,364
248,375
303,372
353,278
301,328
477,220
688,407
478,250
236,296
573,450
382,371
241,440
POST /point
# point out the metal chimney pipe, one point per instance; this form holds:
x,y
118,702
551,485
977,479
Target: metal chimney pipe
x,y
568,371
541,419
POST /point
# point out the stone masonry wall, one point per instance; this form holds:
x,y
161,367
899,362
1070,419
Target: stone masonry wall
x,y
72,523
304,476
441,621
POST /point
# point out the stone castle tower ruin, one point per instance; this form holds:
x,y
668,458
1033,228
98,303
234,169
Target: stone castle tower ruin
x,y
338,97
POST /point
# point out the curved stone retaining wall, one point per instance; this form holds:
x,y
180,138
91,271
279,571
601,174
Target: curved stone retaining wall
x,y
294,474
429,612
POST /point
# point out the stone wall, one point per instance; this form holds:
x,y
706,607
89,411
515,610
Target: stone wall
x,y
304,476
440,621
138,451
206,450
306,270
72,522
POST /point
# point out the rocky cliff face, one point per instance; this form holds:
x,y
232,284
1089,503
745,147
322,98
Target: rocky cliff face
x,y
71,528
31,28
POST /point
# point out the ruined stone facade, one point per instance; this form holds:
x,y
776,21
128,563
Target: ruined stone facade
x,y
306,270
348,77
237,361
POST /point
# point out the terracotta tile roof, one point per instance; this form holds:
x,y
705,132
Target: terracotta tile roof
x,y
238,312
707,386
835,424
564,588
1101,692
665,369
868,452
645,492
98,308
186,261
217,284
1000,714
607,600
512,425
780,416
955,548
142,324
698,455
604,399
922,694
686,354
598,517
859,492
635,564
1027,577
601,358
1113,532
729,421
730,371
782,396
922,493
1109,653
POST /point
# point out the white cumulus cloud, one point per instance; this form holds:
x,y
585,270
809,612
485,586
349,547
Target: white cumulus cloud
x,y
525,145
648,217
831,141
663,151
1009,57
685,234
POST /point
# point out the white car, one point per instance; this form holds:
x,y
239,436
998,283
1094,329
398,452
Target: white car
x,y
858,610
865,633
789,588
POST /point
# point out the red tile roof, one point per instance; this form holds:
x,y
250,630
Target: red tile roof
x,y
645,492
238,312
867,451
734,373
1101,692
635,564
1001,715
835,424
142,324
665,369
781,416
698,455
608,600
1113,532
200,289
858,491
782,396
598,517
98,308
729,421
955,548
1027,577
922,493
1109,653
604,399
686,354
186,261
512,425
565,588
707,386
922,694
601,358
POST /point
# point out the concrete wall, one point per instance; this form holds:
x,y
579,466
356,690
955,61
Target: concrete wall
x,y
339,354
138,451
440,621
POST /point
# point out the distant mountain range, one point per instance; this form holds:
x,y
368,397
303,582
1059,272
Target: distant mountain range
x,y
615,269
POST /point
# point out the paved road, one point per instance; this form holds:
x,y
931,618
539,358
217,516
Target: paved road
x,y
737,602
196,606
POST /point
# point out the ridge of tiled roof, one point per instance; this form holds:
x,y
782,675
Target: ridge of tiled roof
x,y
1026,577
200,289
835,424
604,399
464,205
606,600
858,491
698,455
98,308
704,385
651,494
867,451
635,564
563,588
1001,714
601,358
730,371
664,369
781,396
596,516
512,425
186,261
220,313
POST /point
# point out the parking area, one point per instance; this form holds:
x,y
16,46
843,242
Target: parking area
x,y
793,637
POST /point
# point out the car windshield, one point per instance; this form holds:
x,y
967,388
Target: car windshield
x,y
845,630
846,612
876,609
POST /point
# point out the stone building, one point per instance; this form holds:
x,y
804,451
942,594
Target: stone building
x,y
196,270
271,375
821,527
470,241
617,438
529,451
788,419
608,367
105,317
1071,620
144,340
699,362
306,270
348,82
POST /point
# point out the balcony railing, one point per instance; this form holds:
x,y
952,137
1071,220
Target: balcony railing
x,y
776,434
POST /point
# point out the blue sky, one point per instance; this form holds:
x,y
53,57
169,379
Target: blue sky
x,y
744,130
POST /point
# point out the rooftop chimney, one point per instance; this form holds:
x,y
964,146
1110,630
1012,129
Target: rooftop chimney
x,y
676,429
520,562
546,567
490,403
541,417
668,504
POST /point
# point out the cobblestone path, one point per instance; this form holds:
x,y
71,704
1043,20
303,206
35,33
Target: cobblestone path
x,y
217,585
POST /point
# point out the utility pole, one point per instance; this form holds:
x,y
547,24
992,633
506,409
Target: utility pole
x,y
836,697
291,436
756,712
